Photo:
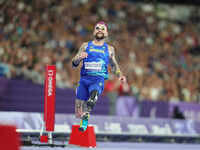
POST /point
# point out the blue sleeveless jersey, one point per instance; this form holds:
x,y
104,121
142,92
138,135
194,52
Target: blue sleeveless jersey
x,y
96,64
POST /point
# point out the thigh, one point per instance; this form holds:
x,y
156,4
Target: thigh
x,y
82,92
97,85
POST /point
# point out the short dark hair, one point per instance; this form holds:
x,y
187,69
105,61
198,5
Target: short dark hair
x,y
102,22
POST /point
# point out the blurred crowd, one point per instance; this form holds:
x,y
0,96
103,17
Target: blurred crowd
x,y
153,50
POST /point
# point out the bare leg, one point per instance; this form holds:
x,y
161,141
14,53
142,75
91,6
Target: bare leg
x,y
84,117
79,108
83,109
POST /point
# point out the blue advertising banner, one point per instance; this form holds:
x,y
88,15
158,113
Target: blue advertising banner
x,y
189,110
129,106
20,95
107,124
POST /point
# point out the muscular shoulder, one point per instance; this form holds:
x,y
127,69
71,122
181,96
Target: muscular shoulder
x,y
84,45
111,50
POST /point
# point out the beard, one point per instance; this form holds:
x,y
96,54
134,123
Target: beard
x,y
99,36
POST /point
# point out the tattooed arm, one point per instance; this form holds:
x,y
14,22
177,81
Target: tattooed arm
x,y
80,55
114,65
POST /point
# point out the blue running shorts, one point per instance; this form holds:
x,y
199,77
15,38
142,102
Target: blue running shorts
x,y
87,84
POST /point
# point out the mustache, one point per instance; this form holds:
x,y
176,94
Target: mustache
x,y
100,32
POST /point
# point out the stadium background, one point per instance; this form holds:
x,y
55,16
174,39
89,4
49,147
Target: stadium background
x,y
157,47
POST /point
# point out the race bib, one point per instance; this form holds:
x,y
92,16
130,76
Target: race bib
x,y
93,65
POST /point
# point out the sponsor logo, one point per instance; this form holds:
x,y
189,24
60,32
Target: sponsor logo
x,y
100,84
97,50
93,65
50,82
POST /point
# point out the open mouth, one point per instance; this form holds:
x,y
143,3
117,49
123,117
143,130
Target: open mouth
x,y
99,32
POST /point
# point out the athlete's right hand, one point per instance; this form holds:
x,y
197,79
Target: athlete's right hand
x,y
82,55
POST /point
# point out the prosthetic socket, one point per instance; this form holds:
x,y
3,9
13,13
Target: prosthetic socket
x,y
92,100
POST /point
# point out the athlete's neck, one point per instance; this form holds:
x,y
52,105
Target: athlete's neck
x,y
98,43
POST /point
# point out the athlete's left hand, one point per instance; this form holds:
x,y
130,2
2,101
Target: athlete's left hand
x,y
122,79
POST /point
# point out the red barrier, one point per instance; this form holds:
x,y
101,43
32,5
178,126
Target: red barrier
x,y
49,103
85,139
9,138
49,97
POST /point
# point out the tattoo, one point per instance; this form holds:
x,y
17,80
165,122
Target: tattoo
x,y
80,107
76,60
113,62
78,104
85,108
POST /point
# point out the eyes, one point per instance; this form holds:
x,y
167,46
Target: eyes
x,y
98,28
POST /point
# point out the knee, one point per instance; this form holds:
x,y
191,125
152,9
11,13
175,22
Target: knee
x,y
78,115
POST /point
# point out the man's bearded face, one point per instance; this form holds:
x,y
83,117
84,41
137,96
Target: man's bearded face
x,y
100,32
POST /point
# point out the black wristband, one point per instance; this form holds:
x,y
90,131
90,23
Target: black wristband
x,y
75,63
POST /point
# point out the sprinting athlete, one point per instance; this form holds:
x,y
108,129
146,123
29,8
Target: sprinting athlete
x,y
95,56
